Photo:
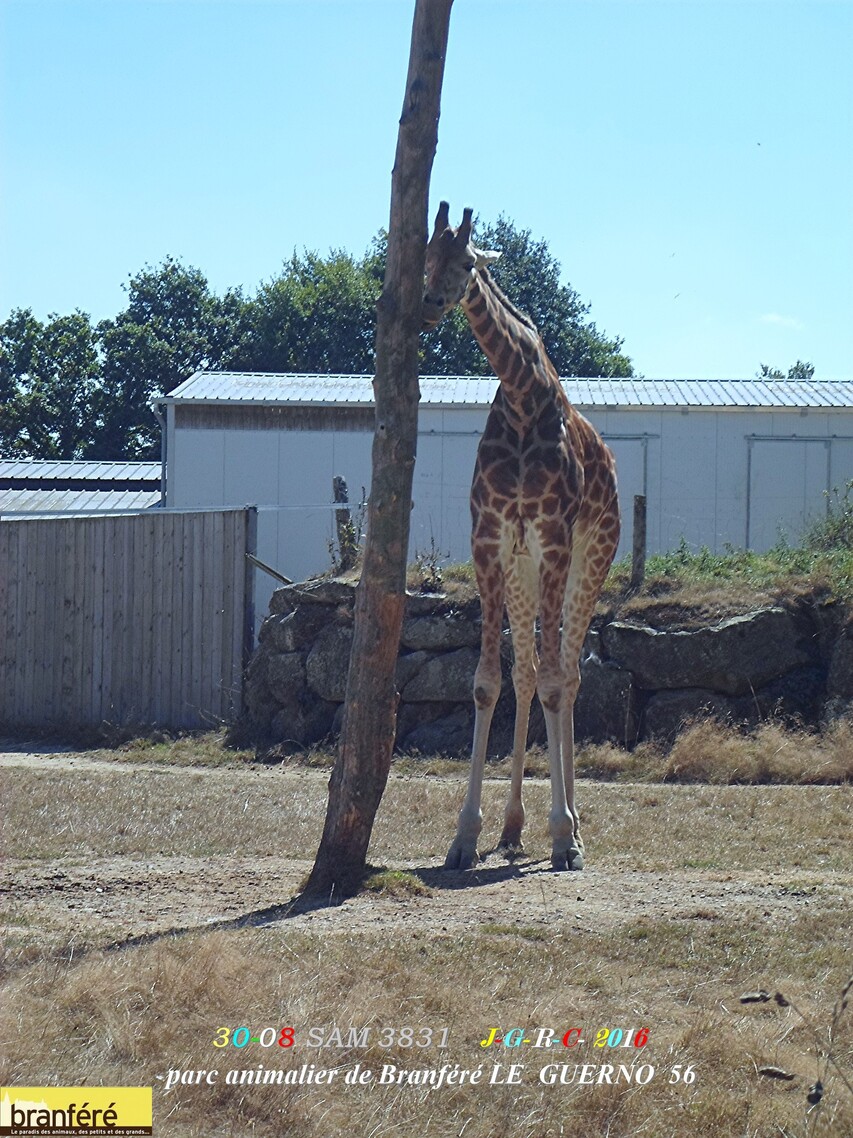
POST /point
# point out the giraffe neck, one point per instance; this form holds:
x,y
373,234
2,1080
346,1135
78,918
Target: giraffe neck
x,y
511,343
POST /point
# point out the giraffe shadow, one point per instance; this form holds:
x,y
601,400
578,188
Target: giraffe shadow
x,y
512,868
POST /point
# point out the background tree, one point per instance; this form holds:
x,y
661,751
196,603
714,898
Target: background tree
x,y
48,377
799,370
317,316
173,326
18,337
68,390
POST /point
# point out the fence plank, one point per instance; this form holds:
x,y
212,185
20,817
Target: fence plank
x,y
125,619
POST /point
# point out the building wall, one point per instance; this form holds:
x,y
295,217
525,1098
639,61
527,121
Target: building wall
x,y
712,477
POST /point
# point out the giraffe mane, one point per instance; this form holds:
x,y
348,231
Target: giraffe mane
x,y
520,316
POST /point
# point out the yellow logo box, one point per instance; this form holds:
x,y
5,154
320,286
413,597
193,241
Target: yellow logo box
x,y
124,1112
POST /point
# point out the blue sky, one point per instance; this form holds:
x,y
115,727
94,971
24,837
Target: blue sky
x,y
690,163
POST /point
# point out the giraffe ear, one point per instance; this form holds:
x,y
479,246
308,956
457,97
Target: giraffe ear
x,y
486,257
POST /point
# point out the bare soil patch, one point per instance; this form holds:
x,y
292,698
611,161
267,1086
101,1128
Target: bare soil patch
x,y
112,897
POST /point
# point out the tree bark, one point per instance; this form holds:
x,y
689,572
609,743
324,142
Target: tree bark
x,y
364,756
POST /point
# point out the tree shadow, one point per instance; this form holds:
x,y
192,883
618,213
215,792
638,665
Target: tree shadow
x,y
436,878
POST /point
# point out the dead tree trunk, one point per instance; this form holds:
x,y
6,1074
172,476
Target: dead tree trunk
x,y
364,757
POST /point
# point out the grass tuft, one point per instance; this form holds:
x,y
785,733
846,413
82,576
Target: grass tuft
x,y
396,883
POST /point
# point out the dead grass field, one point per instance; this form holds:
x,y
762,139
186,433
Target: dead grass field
x,y
693,895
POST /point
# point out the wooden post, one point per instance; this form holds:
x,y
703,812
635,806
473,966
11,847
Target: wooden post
x,y
344,526
251,538
638,555
364,757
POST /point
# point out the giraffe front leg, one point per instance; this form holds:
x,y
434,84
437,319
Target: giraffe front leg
x,y
524,681
463,852
487,686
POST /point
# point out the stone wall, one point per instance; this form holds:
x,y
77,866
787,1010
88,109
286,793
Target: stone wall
x,y
637,681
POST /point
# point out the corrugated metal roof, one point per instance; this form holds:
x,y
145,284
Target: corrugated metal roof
x,y
76,470
475,391
75,501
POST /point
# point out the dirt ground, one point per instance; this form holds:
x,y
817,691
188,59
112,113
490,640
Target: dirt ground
x,y
116,898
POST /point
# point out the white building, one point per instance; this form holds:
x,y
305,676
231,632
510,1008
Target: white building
x,y
729,462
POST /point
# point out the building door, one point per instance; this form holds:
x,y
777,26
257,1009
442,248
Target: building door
x,y
788,480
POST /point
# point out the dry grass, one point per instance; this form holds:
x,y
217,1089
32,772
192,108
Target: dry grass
x,y
708,751
693,896
133,1017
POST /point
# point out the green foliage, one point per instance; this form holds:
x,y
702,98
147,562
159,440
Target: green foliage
x,y
816,563
173,326
48,376
799,370
71,390
317,316
834,533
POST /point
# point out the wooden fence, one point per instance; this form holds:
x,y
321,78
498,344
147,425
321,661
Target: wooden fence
x,y
133,619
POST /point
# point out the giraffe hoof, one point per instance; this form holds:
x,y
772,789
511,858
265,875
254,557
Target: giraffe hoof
x,y
511,844
570,859
461,857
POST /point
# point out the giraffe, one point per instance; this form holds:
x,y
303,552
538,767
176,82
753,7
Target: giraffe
x,y
545,527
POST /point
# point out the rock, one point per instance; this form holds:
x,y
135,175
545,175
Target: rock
x,y
668,712
795,699
735,656
607,704
836,708
306,721
326,592
439,633
408,666
285,674
259,705
448,735
445,678
413,715
422,604
294,630
839,680
327,663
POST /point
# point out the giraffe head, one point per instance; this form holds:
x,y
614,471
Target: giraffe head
x,y
451,263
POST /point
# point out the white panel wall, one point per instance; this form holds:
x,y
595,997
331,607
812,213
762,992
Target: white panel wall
x,y
788,479
196,469
841,464
689,451
695,468
254,482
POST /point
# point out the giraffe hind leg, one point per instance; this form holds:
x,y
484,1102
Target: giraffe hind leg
x,y
586,577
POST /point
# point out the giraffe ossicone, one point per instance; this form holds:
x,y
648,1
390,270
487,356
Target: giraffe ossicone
x,y
545,527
